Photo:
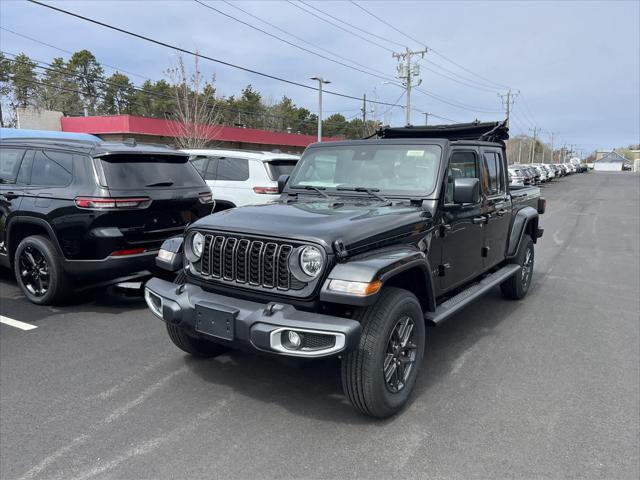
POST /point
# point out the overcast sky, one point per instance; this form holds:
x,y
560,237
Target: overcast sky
x,y
576,64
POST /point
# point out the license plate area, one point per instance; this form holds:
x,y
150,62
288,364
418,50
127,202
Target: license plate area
x,y
216,321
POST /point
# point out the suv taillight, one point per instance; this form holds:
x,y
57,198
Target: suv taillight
x,y
205,197
266,190
107,203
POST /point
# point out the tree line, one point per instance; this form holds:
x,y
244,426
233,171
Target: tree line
x,y
79,86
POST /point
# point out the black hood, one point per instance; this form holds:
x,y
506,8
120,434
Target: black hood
x,y
356,223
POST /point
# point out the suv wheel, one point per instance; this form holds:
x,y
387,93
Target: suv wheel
x,y
378,377
518,285
39,272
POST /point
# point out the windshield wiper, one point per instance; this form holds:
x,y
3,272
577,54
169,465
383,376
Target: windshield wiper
x,y
370,191
166,183
318,190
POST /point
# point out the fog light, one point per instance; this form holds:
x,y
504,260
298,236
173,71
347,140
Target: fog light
x,y
294,339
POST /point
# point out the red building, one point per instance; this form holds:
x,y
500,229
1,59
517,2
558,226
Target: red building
x,y
155,130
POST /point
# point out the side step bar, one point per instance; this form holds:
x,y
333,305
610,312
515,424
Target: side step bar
x,y
464,298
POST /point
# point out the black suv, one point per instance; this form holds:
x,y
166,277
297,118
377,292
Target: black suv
x,y
90,212
371,241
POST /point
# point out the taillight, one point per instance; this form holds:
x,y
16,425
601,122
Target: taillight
x,y
106,203
266,190
205,197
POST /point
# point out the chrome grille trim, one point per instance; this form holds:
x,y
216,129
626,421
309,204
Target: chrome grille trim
x,y
240,260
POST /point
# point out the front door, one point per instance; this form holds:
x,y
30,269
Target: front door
x,y
462,225
496,207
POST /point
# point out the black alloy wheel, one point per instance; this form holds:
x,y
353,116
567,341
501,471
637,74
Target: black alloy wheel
x,y
34,271
401,354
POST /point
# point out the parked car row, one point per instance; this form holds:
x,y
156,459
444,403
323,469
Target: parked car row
x,y
536,173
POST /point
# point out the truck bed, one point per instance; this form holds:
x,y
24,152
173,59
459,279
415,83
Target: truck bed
x,y
525,196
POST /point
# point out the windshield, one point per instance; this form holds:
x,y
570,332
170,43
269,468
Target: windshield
x,y
409,170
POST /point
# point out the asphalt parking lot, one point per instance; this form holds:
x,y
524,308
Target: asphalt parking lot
x,y
545,387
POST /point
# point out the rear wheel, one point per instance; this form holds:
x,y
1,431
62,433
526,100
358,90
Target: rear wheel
x,y
518,285
38,270
378,377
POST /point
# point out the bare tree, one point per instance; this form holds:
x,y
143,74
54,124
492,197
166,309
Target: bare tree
x,y
196,110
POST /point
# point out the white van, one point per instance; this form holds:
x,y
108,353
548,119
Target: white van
x,y
242,177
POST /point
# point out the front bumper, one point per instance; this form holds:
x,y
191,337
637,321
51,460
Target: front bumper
x,y
242,322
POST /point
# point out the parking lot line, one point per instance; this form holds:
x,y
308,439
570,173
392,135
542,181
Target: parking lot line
x,y
16,323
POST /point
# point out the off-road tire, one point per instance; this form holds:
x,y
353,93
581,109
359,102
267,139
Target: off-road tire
x,y
517,286
59,286
363,379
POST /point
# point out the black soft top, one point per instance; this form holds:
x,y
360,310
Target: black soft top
x,y
479,131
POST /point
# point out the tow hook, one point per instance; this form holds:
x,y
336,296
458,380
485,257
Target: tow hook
x,y
271,308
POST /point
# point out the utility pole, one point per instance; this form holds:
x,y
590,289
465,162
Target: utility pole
x,y
406,72
426,118
519,151
321,81
508,99
364,115
536,130
552,138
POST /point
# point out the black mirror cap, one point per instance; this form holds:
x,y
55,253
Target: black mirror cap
x,y
282,182
466,190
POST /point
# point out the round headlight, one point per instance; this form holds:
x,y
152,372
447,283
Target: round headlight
x,y
197,243
311,261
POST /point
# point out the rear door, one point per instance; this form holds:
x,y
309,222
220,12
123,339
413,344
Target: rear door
x,y
171,188
10,190
462,225
496,206
232,181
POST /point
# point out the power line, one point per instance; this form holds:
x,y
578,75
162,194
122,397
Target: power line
x,y
387,24
70,53
462,106
206,57
338,26
291,43
487,89
300,38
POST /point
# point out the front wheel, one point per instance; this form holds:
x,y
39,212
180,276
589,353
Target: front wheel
x,y
378,377
517,286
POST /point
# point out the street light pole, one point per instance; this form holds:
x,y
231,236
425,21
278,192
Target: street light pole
x,y
321,81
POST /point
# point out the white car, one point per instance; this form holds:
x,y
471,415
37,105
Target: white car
x,y
516,178
242,177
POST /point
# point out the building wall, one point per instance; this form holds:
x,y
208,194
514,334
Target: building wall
x,y
608,167
34,119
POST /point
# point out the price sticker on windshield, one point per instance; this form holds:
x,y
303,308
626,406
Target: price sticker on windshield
x,y
415,153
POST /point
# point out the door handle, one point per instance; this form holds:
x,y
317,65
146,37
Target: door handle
x,y
479,220
501,212
10,195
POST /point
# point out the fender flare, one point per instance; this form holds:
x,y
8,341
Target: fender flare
x,y
525,221
384,265
22,219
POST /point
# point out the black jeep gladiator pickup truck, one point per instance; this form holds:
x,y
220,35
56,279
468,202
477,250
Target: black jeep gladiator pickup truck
x,y
371,241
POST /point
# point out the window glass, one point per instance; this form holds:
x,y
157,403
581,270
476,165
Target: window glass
x,y
199,163
129,172
275,168
461,165
500,173
212,168
490,176
49,172
24,175
393,169
233,169
9,164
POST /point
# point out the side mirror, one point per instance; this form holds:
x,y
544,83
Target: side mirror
x,y
466,190
282,182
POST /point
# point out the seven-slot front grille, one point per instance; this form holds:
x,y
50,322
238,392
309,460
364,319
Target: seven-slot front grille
x,y
262,263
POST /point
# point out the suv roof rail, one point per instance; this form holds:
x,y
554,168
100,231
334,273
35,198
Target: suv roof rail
x,y
482,131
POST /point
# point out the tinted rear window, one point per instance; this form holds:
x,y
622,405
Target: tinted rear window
x,y
275,168
147,171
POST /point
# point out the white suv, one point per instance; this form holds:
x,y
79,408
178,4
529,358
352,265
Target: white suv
x,y
242,177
